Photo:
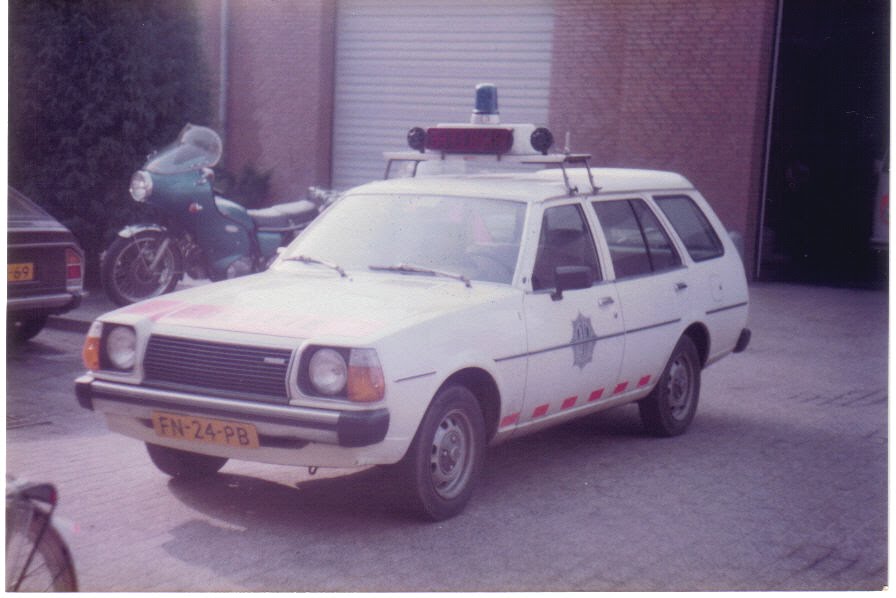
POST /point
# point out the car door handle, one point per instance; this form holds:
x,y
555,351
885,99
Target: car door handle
x,y
680,286
605,301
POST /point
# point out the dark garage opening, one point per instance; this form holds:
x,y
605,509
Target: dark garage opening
x,y
829,140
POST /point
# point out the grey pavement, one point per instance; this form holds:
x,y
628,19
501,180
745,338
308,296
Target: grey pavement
x,y
780,484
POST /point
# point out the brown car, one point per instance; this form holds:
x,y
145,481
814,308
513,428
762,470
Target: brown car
x,y
44,268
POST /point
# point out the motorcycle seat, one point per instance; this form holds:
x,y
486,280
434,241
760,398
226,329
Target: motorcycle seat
x,y
284,216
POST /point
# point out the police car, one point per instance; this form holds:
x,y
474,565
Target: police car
x,y
421,319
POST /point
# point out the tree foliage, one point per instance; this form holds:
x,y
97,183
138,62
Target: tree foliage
x,y
94,86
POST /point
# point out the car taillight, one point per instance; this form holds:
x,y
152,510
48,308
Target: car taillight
x,y
74,270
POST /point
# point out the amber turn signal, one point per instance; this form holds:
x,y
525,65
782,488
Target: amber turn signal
x,y
366,383
91,351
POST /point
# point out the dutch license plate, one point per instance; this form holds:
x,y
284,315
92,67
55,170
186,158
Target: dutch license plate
x,y
20,272
201,429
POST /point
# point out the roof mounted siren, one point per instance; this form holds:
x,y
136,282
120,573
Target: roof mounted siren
x,y
486,136
485,112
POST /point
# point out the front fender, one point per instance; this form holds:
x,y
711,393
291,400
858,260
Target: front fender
x,y
133,229
415,393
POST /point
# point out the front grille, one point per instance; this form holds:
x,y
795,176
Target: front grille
x,y
240,371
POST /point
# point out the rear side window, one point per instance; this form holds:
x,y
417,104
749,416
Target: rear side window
x,y
691,224
638,243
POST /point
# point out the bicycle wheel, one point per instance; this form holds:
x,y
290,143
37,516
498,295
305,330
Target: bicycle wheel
x,y
51,568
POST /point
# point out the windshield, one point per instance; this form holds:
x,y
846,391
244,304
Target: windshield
x,y
195,148
477,239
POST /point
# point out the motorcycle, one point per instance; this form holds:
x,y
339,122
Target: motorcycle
x,y
198,233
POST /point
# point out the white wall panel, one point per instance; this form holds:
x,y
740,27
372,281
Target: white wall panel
x,y
404,63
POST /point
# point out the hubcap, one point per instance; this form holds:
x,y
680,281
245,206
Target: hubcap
x,y
678,390
451,454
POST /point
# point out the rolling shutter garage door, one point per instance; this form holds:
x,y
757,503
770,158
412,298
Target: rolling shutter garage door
x,y
405,63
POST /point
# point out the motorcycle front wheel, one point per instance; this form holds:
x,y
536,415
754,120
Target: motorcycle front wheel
x,y
144,265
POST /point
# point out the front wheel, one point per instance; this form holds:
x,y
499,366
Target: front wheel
x,y
183,464
37,559
144,265
670,407
446,457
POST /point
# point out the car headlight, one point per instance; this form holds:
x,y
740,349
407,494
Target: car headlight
x,y
328,372
121,347
141,185
353,374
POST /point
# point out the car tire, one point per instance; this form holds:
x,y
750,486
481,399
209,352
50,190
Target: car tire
x,y
670,407
446,457
182,464
21,329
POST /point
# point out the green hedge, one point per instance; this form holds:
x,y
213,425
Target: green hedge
x,y
94,86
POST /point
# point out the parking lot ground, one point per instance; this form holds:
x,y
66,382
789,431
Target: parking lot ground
x,y
780,484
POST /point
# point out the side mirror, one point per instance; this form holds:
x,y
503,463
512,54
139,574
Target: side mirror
x,y
569,278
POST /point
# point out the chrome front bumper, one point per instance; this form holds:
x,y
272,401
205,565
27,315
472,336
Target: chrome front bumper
x,y
279,426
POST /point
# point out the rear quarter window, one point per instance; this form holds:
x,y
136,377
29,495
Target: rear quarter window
x,y
694,230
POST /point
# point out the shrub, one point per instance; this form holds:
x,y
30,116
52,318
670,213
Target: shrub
x,y
94,86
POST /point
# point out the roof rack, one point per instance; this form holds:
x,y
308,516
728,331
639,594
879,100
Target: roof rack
x,y
564,161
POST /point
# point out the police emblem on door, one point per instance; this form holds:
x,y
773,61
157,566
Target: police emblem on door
x,y
583,341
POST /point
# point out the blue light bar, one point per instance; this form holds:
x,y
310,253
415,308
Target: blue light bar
x,y
486,99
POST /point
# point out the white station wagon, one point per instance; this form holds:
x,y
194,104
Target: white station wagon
x,y
420,319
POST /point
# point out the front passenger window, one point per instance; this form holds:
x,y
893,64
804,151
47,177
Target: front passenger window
x,y
565,241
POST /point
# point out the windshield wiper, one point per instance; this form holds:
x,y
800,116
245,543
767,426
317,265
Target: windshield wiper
x,y
313,260
412,269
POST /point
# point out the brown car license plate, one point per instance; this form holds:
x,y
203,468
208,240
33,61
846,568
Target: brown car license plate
x,y
22,272
201,429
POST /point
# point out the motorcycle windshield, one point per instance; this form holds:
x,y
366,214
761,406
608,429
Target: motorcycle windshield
x,y
195,148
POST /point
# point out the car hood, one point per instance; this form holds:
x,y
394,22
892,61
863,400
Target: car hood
x,y
359,307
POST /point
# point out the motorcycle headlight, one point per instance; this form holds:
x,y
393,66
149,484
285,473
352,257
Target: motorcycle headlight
x,y
121,347
141,185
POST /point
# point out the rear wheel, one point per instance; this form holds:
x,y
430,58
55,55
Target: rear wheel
x,y
183,464
144,265
669,409
445,460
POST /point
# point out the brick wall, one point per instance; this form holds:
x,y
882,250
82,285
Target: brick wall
x,y
670,84
279,106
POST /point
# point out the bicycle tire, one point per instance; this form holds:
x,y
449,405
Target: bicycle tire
x,y
51,569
